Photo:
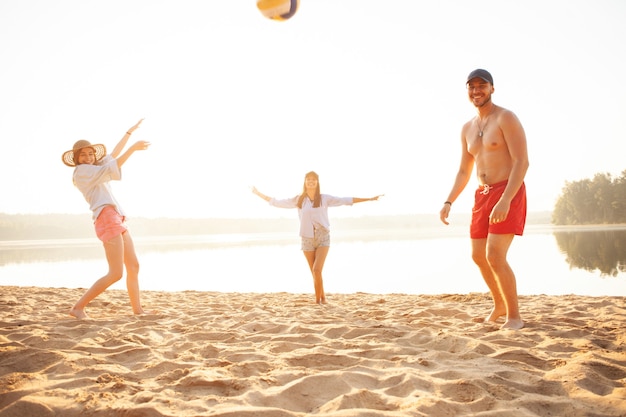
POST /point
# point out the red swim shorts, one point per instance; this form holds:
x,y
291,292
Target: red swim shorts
x,y
109,224
485,198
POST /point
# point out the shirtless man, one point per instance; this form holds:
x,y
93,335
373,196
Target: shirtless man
x,y
495,141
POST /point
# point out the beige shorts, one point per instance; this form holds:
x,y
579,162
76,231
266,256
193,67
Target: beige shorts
x,y
321,238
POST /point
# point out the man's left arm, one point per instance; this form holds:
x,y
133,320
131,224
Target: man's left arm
x,y
515,138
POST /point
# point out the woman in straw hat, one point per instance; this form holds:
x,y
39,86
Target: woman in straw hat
x,y
93,169
314,224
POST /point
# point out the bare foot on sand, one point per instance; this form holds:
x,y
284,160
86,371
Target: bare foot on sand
x,y
78,313
495,315
146,313
513,324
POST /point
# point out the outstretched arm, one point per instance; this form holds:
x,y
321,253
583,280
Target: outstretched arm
x,y
260,194
137,146
360,200
122,143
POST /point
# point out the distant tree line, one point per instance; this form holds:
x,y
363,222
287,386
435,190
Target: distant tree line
x,y
601,200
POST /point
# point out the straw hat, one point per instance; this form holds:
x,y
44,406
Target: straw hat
x,y
68,157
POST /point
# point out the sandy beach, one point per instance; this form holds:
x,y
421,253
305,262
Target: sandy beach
x,y
280,355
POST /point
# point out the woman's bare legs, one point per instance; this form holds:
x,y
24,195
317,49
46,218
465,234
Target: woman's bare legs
x,y
316,261
132,273
114,250
120,252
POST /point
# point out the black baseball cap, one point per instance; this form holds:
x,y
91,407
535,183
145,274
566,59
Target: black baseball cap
x,y
482,74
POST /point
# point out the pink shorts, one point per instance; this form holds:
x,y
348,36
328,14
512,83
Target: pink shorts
x,y
485,199
109,224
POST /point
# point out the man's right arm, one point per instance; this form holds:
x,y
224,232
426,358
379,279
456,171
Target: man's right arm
x,y
463,175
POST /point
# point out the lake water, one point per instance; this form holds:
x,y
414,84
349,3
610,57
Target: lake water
x,y
546,260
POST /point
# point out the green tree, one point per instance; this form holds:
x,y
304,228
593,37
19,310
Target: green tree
x,y
601,200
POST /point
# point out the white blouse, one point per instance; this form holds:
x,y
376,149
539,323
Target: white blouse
x,y
93,182
310,217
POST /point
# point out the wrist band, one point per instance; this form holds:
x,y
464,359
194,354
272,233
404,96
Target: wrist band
x,y
448,202
128,133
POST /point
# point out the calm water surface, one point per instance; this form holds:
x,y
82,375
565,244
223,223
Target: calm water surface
x,y
546,260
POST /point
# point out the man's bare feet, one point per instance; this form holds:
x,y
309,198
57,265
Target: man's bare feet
x,y
512,324
78,313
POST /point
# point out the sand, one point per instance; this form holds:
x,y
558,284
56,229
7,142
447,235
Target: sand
x,y
280,355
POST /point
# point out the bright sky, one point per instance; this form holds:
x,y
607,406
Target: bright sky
x,y
369,94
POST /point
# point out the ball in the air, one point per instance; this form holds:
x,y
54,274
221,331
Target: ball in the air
x,y
278,9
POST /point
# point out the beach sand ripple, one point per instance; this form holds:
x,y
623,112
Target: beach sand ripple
x,y
280,355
